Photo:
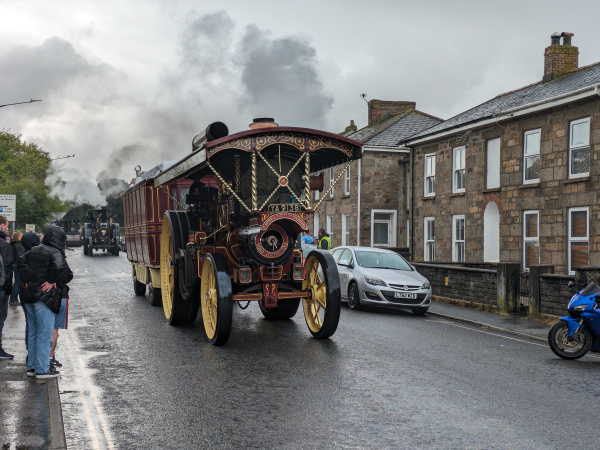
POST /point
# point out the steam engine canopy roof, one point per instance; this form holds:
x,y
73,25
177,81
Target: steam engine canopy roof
x,y
326,150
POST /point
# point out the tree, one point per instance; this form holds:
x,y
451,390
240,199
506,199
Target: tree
x,y
23,169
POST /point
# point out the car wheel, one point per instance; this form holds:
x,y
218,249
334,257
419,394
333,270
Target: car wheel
x,y
353,297
419,311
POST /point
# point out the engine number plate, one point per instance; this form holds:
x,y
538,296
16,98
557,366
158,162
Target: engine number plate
x,y
405,295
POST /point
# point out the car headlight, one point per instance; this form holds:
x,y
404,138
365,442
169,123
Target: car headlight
x,y
579,308
374,281
426,285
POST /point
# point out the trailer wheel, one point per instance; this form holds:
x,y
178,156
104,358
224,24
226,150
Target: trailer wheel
x,y
177,310
138,287
286,309
322,308
155,295
216,299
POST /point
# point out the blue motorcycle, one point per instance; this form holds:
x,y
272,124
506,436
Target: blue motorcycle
x,y
579,332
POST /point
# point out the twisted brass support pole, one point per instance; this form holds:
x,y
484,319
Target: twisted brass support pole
x,y
254,182
307,181
238,178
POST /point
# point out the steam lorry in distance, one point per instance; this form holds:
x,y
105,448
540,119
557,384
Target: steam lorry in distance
x,y
100,232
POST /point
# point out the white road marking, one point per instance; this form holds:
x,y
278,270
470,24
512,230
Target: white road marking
x,y
501,336
73,341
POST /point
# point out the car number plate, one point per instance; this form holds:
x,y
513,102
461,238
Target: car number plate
x,y
405,295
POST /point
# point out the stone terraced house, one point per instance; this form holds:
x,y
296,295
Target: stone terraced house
x,y
515,179
369,205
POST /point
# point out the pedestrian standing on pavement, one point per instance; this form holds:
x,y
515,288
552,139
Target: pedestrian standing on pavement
x,y
6,253
41,268
62,318
28,241
324,240
15,243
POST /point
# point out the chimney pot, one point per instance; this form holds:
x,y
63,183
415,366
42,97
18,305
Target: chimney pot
x,y
566,37
555,38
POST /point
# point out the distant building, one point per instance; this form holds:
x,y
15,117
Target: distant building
x,y
515,179
376,186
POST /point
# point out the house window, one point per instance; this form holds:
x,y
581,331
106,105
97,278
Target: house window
x,y
531,154
493,163
329,228
579,148
531,238
316,226
383,228
347,182
429,239
331,182
458,169
579,242
345,229
458,238
430,175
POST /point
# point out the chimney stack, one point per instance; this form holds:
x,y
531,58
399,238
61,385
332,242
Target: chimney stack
x,y
560,59
379,110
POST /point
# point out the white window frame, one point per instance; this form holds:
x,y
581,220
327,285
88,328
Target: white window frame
x,y
426,240
329,228
455,241
530,239
316,225
577,239
345,229
571,148
493,183
455,169
331,182
347,182
429,173
529,155
394,214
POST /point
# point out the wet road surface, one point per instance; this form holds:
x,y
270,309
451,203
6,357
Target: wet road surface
x,y
385,380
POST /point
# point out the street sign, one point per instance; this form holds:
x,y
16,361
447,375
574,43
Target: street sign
x,y
30,228
8,206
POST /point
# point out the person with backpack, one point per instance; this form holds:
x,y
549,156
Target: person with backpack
x,y
6,253
41,268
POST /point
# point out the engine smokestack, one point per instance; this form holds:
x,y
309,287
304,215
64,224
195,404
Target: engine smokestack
x,y
215,130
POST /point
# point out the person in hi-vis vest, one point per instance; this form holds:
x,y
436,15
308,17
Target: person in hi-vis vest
x,y
324,240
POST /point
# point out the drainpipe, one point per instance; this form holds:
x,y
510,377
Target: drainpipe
x,y
358,215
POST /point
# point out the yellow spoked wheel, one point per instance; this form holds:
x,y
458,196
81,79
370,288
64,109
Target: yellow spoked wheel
x,y
322,308
167,269
216,299
177,309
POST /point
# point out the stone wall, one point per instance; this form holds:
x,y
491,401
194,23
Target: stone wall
x,y
552,196
555,294
464,283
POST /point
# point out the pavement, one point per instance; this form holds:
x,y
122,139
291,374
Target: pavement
x,y
30,409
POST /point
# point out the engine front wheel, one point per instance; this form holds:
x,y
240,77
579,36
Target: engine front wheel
x,y
216,299
574,348
90,247
86,249
322,308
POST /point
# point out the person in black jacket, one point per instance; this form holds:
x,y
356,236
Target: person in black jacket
x,y
28,241
6,253
17,248
41,268
62,318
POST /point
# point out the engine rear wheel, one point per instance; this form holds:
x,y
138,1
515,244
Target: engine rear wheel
x,y
177,309
322,308
560,344
286,309
216,299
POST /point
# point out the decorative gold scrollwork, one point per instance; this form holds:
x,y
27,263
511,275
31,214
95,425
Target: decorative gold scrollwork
x,y
295,140
244,143
316,142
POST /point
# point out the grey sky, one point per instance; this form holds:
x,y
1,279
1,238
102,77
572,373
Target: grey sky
x,y
136,80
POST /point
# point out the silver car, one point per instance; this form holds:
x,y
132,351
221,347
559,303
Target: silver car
x,y
372,276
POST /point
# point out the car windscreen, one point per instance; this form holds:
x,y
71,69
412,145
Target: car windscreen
x,y
381,260
306,249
